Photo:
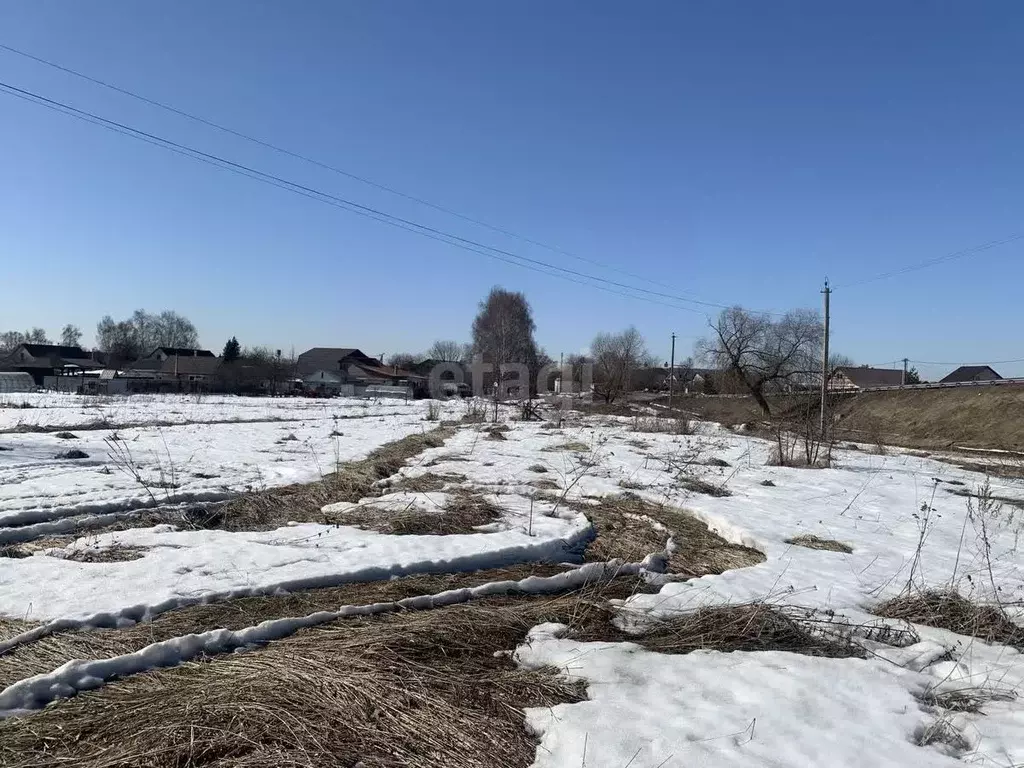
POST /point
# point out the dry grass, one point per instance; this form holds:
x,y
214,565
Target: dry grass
x,y
815,542
952,611
12,627
622,532
272,508
573,446
53,650
463,512
416,689
938,418
752,627
537,468
661,425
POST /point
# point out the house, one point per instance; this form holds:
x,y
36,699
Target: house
x,y
851,378
324,383
166,353
330,359
174,373
967,373
50,360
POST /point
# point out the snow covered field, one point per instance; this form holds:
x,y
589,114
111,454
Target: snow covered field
x,y
901,520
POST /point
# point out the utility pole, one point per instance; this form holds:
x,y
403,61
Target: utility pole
x,y
672,372
824,362
903,379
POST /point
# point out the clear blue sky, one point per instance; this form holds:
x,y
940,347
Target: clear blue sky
x,y
736,151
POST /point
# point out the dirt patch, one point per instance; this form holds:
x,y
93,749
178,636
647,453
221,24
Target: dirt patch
x,y
115,554
952,611
814,542
266,510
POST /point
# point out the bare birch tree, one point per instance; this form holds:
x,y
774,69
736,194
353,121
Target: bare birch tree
x,y
616,356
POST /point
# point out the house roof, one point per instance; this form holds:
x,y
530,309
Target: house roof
x,y
326,358
55,356
969,373
43,350
388,372
865,377
182,352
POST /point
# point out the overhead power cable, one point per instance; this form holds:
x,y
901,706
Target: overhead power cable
x,y
326,166
933,261
357,208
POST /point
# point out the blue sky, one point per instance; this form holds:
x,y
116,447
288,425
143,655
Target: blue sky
x,y
736,152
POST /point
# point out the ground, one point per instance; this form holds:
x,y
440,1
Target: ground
x,y
235,581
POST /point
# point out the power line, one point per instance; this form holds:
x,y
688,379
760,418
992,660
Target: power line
x,y
353,207
325,166
936,260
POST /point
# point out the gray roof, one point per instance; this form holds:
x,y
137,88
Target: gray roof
x,y
326,358
865,377
971,373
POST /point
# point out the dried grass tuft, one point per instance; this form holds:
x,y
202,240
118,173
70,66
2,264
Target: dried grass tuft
x,y
463,512
752,627
698,485
624,530
573,446
951,611
428,482
811,541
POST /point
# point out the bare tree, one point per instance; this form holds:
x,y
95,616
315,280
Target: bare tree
x,y
70,335
765,354
173,330
143,332
616,357
503,330
402,360
448,351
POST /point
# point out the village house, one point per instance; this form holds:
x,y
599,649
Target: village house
x,y
852,378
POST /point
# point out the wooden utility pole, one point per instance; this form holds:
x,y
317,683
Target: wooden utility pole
x,y
824,362
903,378
672,372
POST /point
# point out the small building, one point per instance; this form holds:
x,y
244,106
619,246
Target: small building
x,y
852,378
967,373
15,382
42,361
323,383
